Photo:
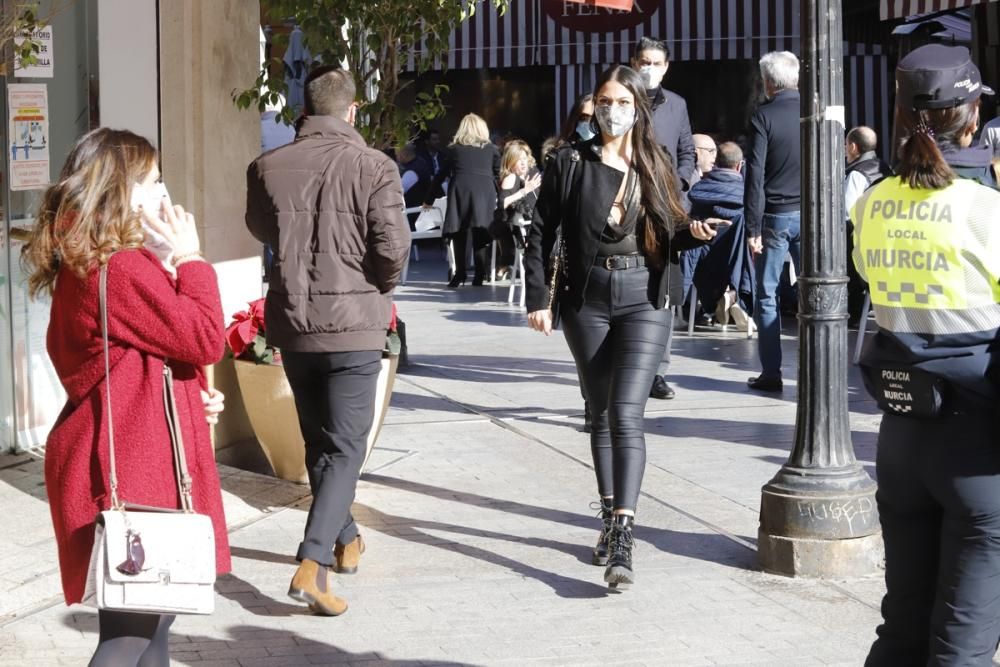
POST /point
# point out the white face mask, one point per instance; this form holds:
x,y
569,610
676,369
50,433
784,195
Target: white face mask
x,y
150,199
651,76
615,120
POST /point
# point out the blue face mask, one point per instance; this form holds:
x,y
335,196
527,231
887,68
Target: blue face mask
x,y
585,131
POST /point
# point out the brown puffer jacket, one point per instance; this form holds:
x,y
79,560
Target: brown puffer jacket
x,y
332,211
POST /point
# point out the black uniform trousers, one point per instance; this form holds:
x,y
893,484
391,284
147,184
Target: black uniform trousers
x,y
617,339
335,400
939,504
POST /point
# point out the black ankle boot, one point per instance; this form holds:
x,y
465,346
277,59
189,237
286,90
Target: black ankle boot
x,y
620,552
600,553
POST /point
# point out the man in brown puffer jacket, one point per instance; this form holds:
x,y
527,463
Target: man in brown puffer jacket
x,y
332,210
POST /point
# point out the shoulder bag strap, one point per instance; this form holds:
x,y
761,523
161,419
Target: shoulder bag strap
x,y
181,473
116,502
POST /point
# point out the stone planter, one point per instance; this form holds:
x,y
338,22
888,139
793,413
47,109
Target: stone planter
x,y
270,406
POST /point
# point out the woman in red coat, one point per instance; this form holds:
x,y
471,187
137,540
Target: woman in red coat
x,y
159,312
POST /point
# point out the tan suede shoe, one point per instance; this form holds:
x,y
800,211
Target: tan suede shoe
x,y
311,584
348,557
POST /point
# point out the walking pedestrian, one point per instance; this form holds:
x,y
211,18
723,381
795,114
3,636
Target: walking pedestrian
x,y
333,210
771,204
927,242
672,130
613,200
473,169
93,217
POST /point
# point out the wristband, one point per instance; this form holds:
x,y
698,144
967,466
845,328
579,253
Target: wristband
x,y
177,260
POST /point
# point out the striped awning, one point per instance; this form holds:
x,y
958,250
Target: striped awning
x,y
899,9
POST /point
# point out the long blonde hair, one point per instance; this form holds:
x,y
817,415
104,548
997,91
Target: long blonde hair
x,y
513,151
87,215
472,131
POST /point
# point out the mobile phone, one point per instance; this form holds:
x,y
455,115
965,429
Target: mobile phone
x,y
715,224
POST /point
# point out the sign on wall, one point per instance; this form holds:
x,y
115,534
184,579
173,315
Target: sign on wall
x,y
28,135
605,16
43,67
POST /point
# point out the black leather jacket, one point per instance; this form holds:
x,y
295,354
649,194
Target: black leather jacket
x,y
588,201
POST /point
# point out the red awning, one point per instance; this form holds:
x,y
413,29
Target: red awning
x,y
625,5
899,9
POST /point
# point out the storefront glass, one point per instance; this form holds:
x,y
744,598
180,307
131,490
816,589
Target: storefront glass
x,y
30,394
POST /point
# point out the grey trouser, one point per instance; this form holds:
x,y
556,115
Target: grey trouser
x,y
335,399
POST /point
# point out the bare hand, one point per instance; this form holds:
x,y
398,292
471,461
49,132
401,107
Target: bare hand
x,y
532,183
214,402
756,245
541,320
703,229
177,227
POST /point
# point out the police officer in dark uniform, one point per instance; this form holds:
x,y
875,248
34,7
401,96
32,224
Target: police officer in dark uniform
x,y
928,243
864,169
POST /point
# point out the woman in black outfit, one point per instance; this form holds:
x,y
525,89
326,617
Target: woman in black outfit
x,y
620,217
473,168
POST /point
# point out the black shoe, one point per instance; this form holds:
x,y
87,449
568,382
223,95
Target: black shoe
x,y
600,553
456,281
619,570
588,419
478,280
661,389
761,383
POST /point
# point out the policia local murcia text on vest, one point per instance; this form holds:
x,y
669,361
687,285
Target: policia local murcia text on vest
x,y
932,261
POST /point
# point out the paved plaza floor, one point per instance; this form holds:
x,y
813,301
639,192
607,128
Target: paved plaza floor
x,y
476,512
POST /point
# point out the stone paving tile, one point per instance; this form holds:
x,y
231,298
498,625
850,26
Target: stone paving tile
x,y
478,524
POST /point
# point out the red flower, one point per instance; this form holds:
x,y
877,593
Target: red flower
x,y
392,322
246,324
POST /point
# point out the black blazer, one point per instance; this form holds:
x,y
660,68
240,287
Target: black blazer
x,y
588,201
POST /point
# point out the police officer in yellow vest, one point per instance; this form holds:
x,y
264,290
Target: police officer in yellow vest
x,y
928,243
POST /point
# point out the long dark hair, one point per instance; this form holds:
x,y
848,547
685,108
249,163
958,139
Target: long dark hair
x,y
569,127
661,202
924,132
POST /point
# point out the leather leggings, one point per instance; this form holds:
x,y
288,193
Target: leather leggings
x,y
617,339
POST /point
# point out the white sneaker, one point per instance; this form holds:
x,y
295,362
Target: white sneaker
x,y
740,317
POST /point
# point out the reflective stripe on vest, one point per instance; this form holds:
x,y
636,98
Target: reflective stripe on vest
x,y
928,269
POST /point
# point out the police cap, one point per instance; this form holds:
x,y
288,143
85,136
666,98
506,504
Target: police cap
x,y
936,76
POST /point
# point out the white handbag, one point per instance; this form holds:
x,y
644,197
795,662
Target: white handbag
x,y
149,559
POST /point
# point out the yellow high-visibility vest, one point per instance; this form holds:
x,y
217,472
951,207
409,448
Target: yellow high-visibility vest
x,y
931,257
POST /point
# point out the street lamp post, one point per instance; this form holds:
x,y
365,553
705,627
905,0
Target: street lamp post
x,y
817,515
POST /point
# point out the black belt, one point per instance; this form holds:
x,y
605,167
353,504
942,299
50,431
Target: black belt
x,y
619,262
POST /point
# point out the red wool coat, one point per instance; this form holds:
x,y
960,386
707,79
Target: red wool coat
x,y
151,317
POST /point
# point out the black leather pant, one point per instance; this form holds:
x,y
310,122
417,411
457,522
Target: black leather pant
x,y
617,339
939,504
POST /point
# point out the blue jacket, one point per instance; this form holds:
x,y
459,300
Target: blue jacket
x,y
719,194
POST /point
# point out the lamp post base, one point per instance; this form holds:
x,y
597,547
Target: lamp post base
x,y
820,559
820,523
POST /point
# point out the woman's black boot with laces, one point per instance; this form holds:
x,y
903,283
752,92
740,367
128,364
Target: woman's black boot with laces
x,y
619,570
600,554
